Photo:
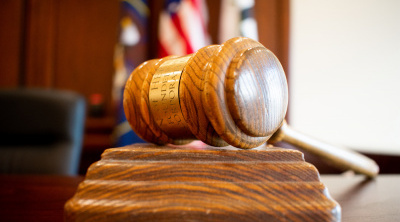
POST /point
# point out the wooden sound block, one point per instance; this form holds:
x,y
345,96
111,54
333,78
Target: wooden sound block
x,y
146,182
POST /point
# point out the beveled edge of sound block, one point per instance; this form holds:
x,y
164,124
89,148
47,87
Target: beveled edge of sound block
x,y
203,152
146,182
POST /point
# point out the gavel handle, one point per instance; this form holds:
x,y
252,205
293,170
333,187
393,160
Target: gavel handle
x,y
338,156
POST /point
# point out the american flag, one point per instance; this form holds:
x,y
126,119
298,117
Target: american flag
x,y
182,27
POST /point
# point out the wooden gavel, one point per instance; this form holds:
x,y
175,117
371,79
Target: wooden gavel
x,y
230,94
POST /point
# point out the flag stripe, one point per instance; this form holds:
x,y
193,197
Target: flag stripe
x,y
182,27
176,21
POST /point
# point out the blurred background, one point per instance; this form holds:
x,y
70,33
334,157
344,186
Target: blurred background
x,y
340,57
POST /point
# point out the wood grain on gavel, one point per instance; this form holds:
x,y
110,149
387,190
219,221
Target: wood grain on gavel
x,y
230,94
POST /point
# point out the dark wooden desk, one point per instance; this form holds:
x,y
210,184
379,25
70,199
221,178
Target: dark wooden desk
x,y
42,198
366,200
35,198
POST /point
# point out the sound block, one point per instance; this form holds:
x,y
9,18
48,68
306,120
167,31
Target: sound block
x,y
146,182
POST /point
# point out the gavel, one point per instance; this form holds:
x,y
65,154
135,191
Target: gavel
x,y
233,94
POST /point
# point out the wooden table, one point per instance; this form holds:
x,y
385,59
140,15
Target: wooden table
x,y
366,200
42,198
35,198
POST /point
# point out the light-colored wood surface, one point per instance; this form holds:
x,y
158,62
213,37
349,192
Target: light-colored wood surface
x,y
366,200
151,183
337,156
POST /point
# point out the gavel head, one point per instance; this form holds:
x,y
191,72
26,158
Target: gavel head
x,y
230,94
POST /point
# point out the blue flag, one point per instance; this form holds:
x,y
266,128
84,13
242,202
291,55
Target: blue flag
x,y
130,51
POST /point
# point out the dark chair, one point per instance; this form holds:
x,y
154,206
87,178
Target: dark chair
x,y
41,131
